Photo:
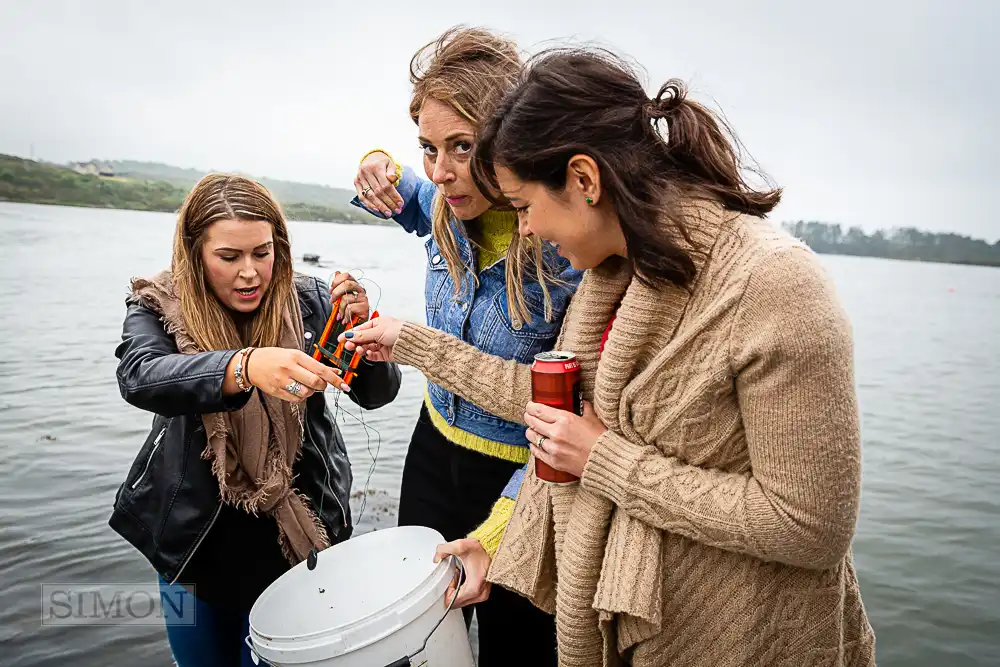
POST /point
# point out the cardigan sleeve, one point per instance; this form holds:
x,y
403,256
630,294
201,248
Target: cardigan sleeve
x,y
500,386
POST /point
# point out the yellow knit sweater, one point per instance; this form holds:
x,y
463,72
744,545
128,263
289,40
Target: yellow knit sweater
x,y
713,522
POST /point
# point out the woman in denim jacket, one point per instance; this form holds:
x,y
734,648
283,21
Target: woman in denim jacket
x,y
487,288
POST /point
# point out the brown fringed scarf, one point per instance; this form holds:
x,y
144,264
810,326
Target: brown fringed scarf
x,y
252,450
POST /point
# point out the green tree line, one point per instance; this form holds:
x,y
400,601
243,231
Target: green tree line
x,y
899,243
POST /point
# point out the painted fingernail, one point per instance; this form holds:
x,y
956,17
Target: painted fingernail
x,y
349,334
399,209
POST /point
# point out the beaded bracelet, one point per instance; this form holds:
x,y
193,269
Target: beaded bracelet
x,y
238,371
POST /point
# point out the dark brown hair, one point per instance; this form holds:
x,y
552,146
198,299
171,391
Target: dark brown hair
x,y
655,155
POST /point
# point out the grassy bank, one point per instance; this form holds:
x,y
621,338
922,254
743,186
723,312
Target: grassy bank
x,y
34,182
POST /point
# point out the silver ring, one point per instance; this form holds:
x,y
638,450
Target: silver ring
x,y
541,440
293,387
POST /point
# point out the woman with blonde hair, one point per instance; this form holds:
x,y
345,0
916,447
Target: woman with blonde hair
x,y
490,289
244,472
719,455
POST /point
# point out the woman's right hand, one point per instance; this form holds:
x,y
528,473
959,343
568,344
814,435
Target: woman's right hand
x,y
477,564
375,338
375,184
273,369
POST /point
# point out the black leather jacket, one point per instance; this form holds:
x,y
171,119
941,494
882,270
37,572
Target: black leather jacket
x,y
170,498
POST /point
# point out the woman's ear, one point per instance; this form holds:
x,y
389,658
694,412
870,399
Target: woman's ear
x,y
583,179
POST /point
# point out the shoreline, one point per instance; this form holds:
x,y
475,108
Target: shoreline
x,y
375,222
342,221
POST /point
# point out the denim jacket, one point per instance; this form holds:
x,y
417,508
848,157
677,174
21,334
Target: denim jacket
x,y
479,315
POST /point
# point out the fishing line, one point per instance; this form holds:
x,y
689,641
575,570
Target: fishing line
x,y
374,455
358,275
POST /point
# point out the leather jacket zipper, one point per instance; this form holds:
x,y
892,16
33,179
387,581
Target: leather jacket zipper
x,y
197,544
204,534
152,453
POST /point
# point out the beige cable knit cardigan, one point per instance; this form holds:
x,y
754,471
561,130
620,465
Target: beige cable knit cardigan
x,y
713,522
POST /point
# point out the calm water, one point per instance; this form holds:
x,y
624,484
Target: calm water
x,y
928,360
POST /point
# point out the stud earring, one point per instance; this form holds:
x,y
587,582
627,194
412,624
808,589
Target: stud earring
x,y
590,201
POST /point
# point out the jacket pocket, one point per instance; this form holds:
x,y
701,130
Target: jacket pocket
x,y
152,452
521,344
143,463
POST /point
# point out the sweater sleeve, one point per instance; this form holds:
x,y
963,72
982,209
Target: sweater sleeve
x,y
491,531
497,385
792,356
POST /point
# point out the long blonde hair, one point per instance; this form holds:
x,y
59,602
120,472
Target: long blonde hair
x,y
228,197
471,69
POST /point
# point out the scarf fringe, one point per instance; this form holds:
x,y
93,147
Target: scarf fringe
x,y
322,537
247,498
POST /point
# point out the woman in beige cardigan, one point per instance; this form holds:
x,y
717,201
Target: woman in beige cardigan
x,y
720,460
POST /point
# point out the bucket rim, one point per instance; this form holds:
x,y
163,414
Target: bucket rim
x,y
439,570
337,640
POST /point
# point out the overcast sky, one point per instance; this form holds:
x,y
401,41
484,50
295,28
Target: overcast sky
x,y
872,113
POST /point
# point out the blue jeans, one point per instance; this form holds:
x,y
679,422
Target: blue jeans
x,y
216,639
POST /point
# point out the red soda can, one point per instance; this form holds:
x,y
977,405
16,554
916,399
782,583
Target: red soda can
x,y
555,381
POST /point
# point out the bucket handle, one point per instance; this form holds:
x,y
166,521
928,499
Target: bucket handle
x,y
409,658
253,654
402,662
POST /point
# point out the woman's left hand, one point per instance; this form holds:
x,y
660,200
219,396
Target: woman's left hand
x,y
568,438
353,297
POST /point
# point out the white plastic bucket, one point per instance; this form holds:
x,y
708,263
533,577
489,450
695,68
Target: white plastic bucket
x,y
371,601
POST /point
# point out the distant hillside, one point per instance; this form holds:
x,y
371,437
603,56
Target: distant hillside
x,y
285,191
41,183
156,187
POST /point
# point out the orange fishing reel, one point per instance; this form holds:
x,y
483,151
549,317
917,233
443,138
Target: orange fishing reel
x,y
327,349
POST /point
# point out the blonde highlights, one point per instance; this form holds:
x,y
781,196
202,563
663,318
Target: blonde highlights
x,y
229,197
471,69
